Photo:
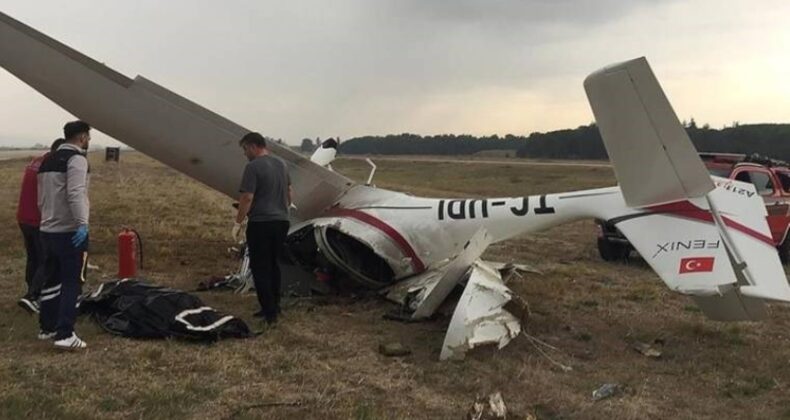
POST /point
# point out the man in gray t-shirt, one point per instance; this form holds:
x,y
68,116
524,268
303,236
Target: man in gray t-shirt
x,y
266,178
265,198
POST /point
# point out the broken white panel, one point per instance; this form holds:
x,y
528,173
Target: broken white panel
x,y
432,296
480,317
325,154
500,266
509,270
413,286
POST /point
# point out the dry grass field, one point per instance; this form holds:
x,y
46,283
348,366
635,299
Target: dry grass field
x,y
322,360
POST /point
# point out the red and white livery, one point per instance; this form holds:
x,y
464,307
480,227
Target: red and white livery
x,y
706,241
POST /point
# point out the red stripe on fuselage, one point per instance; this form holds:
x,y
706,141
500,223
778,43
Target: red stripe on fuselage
x,y
388,230
690,211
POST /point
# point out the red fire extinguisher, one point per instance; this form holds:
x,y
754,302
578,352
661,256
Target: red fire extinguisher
x,y
129,243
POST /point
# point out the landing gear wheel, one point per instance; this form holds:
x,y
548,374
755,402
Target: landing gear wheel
x,y
612,251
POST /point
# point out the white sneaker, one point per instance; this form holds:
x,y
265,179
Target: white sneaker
x,y
71,343
43,335
31,306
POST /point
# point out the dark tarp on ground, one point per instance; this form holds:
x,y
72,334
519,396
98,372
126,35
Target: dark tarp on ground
x,y
133,308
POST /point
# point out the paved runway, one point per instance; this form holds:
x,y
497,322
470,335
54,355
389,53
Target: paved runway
x,y
483,161
15,154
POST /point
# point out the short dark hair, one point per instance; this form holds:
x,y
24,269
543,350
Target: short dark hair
x,y
74,128
253,139
55,144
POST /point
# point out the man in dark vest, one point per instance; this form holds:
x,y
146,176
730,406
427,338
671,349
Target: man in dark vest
x,y
29,218
65,208
265,198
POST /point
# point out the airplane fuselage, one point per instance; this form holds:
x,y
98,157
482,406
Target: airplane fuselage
x,y
413,234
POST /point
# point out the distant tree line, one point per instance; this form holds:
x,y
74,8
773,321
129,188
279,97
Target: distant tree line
x,y
583,142
444,144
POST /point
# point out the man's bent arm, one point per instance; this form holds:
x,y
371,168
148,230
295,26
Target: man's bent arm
x,y
245,202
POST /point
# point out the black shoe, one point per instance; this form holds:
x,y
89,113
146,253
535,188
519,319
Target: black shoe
x,y
269,319
261,314
31,306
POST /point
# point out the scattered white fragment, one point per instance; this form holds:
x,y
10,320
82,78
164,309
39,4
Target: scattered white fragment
x,y
605,391
647,350
491,407
480,317
504,267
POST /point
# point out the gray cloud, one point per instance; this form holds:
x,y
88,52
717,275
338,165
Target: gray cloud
x,y
353,67
521,12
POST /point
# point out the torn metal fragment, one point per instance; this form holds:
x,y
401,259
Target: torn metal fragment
x,y
424,293
511,266
491,407
480,317
455,273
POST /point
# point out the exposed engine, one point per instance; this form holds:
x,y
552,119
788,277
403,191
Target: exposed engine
x,y
326,246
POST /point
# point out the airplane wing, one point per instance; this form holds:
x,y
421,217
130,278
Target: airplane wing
x,y
154,120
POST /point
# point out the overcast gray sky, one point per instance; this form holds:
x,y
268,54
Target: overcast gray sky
x,y
347,68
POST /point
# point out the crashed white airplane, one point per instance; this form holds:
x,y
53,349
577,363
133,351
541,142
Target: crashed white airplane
x,y
417,250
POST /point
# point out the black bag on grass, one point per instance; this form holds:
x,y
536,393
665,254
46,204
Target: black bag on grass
x,y
133,308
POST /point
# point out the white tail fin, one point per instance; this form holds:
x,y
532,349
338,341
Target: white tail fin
x,y
654,161
711,242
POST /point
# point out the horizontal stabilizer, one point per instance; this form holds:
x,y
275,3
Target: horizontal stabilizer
x,y
732,306
741,220
718,250
760,292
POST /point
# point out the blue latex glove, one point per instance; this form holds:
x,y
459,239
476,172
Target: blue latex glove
x,y
80,236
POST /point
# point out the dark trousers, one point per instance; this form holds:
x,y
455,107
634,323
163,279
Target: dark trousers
x,y
61,290
35,271
265,241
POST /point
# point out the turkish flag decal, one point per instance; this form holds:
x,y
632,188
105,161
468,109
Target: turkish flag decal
x,y
696,265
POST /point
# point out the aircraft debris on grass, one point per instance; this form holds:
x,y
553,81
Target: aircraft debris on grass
x,y
417,250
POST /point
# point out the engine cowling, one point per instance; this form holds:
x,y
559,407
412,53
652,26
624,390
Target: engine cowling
x,y
366,255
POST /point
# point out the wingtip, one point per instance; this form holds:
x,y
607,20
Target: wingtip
x,y
773,294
